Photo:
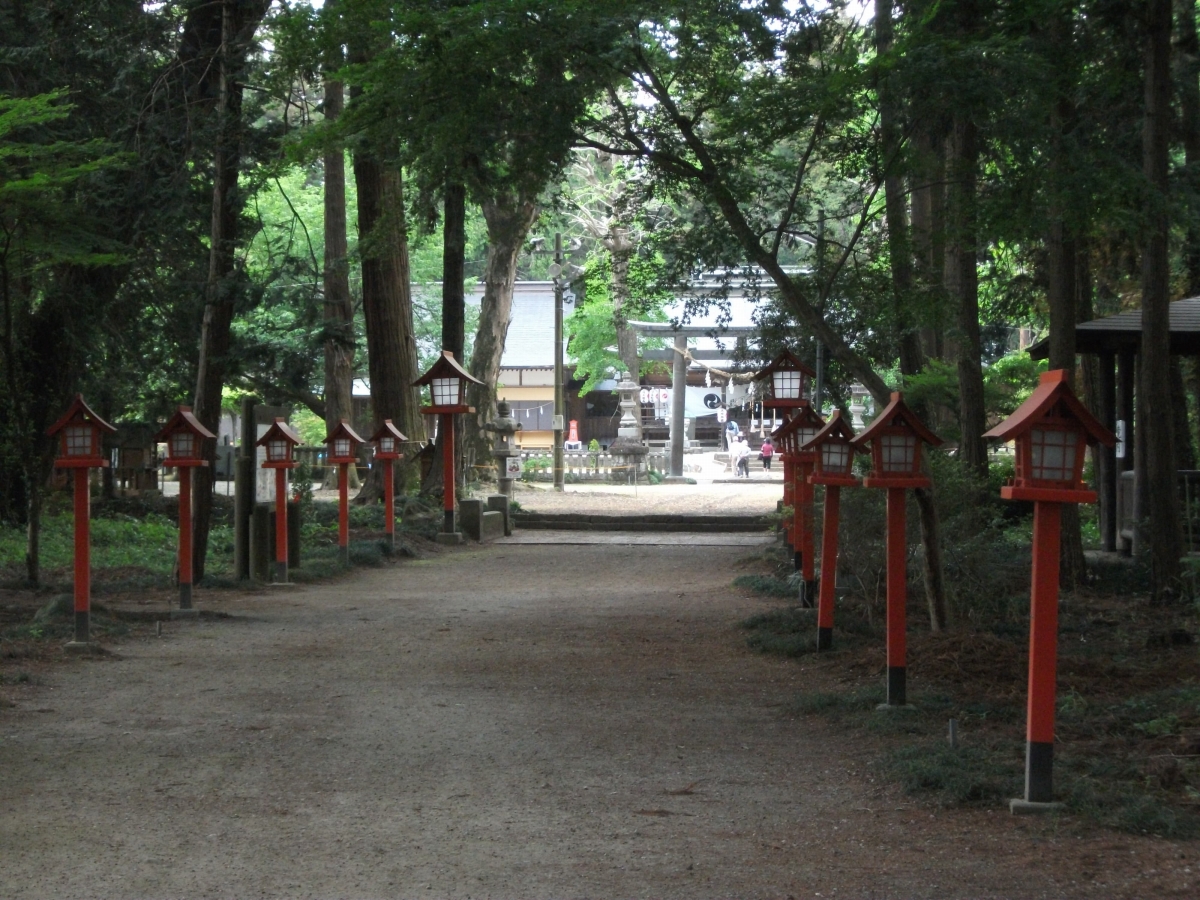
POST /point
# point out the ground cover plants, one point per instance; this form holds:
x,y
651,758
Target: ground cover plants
x,y
1127,753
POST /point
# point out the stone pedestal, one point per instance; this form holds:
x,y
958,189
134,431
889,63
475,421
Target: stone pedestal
x,y
499,503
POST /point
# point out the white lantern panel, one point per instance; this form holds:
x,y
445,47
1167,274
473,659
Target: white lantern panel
x,y
898,451
1053,454
804,435
786,384
835,458
445,391
183,445
341,447
79,440
277,450
387,445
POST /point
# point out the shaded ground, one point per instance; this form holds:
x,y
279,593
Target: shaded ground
x,y
745,498
515,721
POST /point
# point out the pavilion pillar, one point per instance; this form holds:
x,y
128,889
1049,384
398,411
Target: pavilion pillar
x,y
1107,456
1125,432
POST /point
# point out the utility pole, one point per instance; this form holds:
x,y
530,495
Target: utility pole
x,y
559,410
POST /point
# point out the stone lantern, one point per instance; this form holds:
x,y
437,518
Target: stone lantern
x,y
80,434
184,436
343,443
833,447
508,459
628,447
1051,430
280,440
896,438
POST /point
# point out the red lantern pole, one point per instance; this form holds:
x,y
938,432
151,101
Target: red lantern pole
x,y
281,529
1043,652
344,511
83,556
897,597
829,549
447,426
389,502
789,498
185,537
805,538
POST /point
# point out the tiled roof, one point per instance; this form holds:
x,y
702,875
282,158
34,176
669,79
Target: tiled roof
x,y
1123,331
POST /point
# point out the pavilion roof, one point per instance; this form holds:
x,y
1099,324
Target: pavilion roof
x,y
1123,332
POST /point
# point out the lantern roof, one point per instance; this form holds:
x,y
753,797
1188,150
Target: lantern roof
x,y
343,429
835,427
1053,390
446,366
279,428
387,429
897,412
786,360
183,419
805,416
79,410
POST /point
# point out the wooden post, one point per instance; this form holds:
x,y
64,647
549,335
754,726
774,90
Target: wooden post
x,y
897,597
806,500
1043,650
344,511
1107,455
185,537
447,426
83,556
829,548
789,498
281,529
389,502
1125,413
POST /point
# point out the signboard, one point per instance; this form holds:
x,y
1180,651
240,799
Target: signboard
x,y
512,466
558,423
722,415
1120,439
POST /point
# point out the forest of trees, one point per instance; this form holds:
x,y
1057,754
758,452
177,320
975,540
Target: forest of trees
x,y
209,197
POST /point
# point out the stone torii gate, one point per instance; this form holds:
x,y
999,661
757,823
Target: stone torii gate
x,y
680,334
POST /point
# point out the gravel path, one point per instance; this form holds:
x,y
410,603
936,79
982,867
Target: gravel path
x,y
505,722
739,499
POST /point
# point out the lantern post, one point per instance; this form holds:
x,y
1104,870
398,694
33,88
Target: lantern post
x,y
1051,430
447,382
793,435
80,434
833,447
280,440
343,443
387,440
895,439
184,436
788,378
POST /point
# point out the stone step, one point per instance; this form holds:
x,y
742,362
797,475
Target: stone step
x,y
650,522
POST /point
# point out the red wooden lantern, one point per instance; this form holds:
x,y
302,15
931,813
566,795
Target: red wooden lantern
x,y
798,464
896,438
184,436
834,449
387,440
1051,430
80,434
788,379
280,440
343,443
447,382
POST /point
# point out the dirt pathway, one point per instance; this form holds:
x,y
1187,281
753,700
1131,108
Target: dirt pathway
x,y
509,722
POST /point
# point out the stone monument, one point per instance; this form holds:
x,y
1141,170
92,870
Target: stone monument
x,y
505,427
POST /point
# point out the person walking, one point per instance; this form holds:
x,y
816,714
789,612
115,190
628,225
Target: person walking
x,y
740,454
765,454
731,434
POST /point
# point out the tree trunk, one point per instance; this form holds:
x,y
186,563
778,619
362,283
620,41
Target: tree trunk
x,y
339,309
1185,455
238,23
509,218
1155,382
387,305
911,356
962,283
1187,71
928,212
621,248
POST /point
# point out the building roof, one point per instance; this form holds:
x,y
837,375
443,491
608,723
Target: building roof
x,y
1123,332
530,339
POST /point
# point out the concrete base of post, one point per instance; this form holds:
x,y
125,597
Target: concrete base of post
x,y
82,648
824,638
810,591
897,686
185,596
675,479
450,538
1021,807
281,573
344,554
189,613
